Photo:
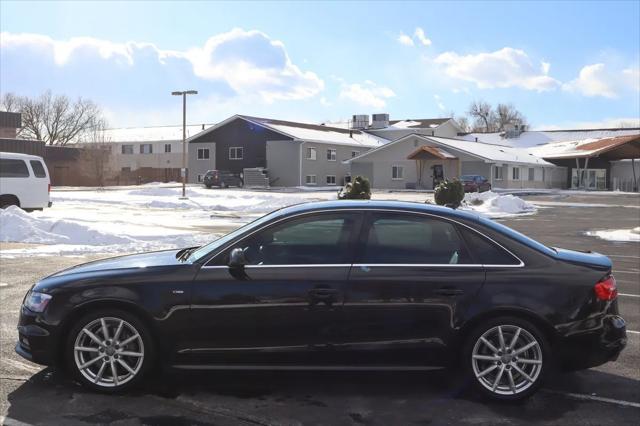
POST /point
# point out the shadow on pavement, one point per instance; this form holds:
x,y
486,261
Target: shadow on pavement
x,y
202,398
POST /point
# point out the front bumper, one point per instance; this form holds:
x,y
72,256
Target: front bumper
x,y
595,347
35,342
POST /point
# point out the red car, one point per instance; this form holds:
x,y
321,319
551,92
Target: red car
x,y
475,183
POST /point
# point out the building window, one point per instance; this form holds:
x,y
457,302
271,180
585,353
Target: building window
x,y
126,170
127,149
331,180
236,153
355,153
498,173
200,177
310,179
167,147
331,154
532,173
146,148
311,153
515,175
203,154
397,172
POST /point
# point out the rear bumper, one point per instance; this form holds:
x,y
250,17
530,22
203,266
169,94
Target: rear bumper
x,y
595,347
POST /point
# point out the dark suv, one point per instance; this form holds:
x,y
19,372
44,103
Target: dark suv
x,y
222,179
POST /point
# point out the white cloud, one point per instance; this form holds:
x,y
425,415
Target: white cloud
x,y
545,66
405,40
607,123
325,102
419,34
242,63
504,68
367,94
439,102
599,80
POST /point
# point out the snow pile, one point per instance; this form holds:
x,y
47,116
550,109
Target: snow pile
x,y
617,234
494,205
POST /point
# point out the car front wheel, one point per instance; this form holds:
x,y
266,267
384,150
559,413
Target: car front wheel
x,y
507,358
109,351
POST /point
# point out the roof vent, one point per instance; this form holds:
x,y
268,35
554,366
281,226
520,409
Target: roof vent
x,y
380,121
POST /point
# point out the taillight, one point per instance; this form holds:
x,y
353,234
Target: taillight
x,y
49,188
606,289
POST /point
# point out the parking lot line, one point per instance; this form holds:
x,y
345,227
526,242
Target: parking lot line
x,y
628,295
633,332
585,397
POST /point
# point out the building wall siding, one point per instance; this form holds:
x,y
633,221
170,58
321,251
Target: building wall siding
x,y
239,133
321,167
200,167
283,163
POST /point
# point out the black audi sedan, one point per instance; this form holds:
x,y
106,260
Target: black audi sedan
x,y
343,285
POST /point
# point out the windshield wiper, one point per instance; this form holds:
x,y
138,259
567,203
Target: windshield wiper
x,y
183,254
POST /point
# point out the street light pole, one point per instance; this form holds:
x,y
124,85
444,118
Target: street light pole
x,y
183,172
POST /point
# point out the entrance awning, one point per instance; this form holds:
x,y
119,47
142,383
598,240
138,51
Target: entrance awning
x,y
430,152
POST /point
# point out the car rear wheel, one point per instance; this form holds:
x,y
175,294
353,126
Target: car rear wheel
x,y
8,200
507,358
109,351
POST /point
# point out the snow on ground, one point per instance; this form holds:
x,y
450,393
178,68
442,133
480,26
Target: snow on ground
x,y
493,205
143,218
617,234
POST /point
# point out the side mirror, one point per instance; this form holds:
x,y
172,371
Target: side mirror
x,y
236,258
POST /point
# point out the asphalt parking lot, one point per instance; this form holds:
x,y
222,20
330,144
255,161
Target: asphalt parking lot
x,y
607,395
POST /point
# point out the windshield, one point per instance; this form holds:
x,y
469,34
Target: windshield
x,y
517,236
467,177
206,249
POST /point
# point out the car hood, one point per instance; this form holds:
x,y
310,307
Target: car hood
x,y
586,258
143,260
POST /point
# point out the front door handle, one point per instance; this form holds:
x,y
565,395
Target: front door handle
x,y
448,291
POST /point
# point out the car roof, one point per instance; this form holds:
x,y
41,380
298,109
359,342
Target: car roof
x,y
378,205
20,156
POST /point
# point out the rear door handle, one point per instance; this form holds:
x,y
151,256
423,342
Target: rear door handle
x,y
448,291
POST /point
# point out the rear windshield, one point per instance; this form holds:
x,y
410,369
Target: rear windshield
x,y
467,177
10,168
517,236
38,169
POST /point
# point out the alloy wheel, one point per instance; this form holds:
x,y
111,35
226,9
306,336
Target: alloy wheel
x,y
108,352
507,360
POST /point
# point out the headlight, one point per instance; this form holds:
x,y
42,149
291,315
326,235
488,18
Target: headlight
x,y
36,302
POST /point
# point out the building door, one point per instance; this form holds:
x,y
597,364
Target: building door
x,y
438,174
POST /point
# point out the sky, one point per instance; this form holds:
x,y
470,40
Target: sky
x,y
563,64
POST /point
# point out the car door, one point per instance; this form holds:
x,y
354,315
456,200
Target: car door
x,y
286,301
411,281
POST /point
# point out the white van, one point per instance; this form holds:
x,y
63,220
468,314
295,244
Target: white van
x,y
24,181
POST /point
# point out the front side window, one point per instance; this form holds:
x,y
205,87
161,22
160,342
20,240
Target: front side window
x,y
236,153
203,153
38,169
10,168
397,172
394,238
331,154
127,149
311,153
146,148
317,239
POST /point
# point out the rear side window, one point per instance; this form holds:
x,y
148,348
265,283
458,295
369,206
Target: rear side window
x,y
13,168
413,239
485,251
38,169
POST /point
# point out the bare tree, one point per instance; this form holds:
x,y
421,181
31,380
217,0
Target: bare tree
x,y
96,153
508,114
57,120
463,122
483,114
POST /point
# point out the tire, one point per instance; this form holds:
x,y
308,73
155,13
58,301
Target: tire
x,y
208,186
504,376
98,373
8,200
